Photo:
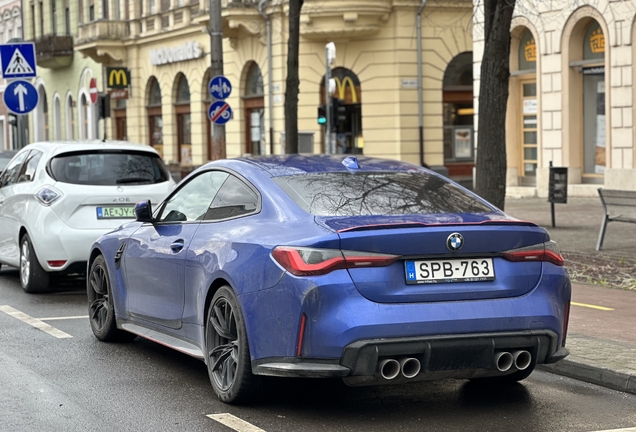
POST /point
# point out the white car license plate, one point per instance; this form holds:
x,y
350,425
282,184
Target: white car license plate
x,y
115,212
452,270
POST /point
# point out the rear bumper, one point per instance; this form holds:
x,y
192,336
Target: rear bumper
x,y
448,356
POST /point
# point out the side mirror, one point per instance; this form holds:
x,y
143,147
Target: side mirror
x,y
143,211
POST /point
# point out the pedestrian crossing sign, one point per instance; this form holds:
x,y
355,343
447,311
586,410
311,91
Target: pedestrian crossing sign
x,y
18,60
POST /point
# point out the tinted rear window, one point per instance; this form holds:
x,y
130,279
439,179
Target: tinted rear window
x,y
395,193
109,168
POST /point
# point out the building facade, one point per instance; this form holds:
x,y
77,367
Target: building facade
x,y
10,29
571,94
166,48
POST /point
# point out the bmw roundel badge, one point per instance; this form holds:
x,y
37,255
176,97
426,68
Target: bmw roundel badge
x,y
454,242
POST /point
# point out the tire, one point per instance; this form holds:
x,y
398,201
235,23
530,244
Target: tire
x,y
101,312
33,278
227,351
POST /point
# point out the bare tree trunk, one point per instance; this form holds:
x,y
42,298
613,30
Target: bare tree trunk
x,y
493,98
292,83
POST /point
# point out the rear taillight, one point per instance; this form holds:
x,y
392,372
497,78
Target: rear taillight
x,y
47,195
301,261
548,251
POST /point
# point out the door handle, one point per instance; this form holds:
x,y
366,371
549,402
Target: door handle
x,y
177,245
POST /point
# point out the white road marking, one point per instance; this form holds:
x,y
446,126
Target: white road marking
x,y
235,423
38,324
631,429
64,318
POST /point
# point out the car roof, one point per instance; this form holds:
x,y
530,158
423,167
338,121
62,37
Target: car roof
x,y
57,147
283,165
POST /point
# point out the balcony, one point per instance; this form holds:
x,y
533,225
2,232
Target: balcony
x,y
103,40
343,19
54,51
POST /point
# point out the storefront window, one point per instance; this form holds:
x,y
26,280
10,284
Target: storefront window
x,y
594,132
458,112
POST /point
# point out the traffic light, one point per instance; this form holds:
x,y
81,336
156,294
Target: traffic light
x,y
322,115
339,112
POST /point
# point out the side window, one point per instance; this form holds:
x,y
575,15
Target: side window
x,y
234,199
29,167
10,174
191,201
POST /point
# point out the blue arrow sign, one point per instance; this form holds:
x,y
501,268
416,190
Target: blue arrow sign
x,y
18,60
220,112
20,97
220,87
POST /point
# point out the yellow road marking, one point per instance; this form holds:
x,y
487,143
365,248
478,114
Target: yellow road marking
x,y
603,308
38,324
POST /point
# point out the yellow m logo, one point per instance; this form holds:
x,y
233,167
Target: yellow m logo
x,y
341,87
118,77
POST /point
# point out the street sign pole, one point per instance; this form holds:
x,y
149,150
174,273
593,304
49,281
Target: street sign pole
x,y
330,57
217,150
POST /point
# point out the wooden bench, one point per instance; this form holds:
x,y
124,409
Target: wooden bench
x,y
619,206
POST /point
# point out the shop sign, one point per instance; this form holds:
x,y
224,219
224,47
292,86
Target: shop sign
x,y
118,77
598,70
187,51
119,94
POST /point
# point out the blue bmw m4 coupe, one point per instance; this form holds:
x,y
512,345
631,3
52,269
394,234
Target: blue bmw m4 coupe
x,y
373,271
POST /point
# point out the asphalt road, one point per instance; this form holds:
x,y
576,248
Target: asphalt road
x,y
60,378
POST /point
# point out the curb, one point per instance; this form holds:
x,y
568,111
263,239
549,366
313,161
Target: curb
x,y
596,375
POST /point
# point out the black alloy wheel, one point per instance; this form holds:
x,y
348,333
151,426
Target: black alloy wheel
x,y
227,352
101,311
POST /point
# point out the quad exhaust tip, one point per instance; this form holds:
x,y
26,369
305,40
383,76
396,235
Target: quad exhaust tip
x,y
410,367
503,361
522,359
389,368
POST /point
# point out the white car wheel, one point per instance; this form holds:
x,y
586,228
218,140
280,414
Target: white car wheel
x,y
33,277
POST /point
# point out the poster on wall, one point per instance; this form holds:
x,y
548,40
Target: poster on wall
x,y
463,143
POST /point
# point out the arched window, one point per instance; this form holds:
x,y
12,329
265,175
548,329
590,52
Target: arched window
x,y
57,118
527,52
42,116
254,82
70,118
457,87
155,119
184,120
254,111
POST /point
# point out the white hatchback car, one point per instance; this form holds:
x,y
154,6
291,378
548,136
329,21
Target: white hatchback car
x,y
57,198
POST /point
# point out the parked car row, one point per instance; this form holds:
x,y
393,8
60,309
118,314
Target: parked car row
x,y
369,270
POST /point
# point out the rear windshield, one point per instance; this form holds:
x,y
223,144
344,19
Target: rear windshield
x,y
395,193
109,168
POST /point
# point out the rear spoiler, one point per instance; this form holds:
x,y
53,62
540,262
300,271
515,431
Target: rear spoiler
x,y
422,224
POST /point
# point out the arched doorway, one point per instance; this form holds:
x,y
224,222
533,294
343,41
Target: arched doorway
x,y
155,120
254,110
457,99
346,111
586,141
184,120
522,121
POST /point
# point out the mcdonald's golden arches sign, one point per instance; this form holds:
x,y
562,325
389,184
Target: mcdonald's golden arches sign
x,y
117,77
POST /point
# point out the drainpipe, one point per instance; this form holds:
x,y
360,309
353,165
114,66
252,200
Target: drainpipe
x,y
420,109
270,85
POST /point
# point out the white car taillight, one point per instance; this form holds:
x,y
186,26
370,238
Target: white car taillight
x,y
47,195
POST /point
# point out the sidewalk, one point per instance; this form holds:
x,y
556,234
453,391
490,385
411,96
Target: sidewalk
x,y
602,330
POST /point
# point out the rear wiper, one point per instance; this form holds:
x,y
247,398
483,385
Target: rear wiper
x,y
133,180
